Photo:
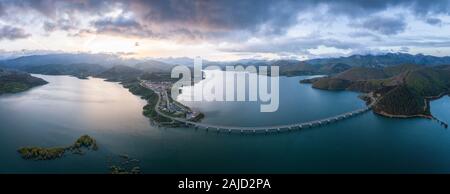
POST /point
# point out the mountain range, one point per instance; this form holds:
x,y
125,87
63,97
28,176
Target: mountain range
x,y
109,60
402,82
83,64
401,91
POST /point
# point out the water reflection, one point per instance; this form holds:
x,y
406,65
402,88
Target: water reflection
x,y
57,113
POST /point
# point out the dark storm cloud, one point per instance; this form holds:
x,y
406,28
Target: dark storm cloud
x,y
433,21
121,26
61,24
220,18
367,7
2,11
383,25
12,33
404,49
49,26
220,15
53,8
363,34
215,19
250,14
292,45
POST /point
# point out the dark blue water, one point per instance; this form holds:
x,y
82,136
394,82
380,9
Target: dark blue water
x,y
59,112
297,103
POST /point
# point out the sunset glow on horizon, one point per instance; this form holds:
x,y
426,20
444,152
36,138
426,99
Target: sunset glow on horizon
x,y
216,30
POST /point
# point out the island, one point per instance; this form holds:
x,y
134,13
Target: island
x,y
13,81
124,164
401,91
40,153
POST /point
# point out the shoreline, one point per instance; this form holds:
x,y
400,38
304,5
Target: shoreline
x,y
403,116
160,113
431,98
427,100
257,129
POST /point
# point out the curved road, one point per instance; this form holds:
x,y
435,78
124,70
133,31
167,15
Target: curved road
x,y
276,128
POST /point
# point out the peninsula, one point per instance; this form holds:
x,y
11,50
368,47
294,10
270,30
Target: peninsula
x,y
40,153
401,91
12,81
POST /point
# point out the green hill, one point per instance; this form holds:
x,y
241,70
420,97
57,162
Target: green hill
x,y
402,90
402,101
323,65
398,69
428,81
15,81
361,73
80,70
120,73
302,68
332,84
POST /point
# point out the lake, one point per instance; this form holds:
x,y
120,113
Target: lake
x,y
58,113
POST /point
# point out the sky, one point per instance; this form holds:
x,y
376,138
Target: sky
x,y
225,29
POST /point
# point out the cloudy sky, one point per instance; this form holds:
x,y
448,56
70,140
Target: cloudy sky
x,y
226,29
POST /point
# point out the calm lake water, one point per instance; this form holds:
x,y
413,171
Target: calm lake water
x,y
59,112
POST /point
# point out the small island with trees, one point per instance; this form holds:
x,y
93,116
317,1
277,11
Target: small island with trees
x,y
40,153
